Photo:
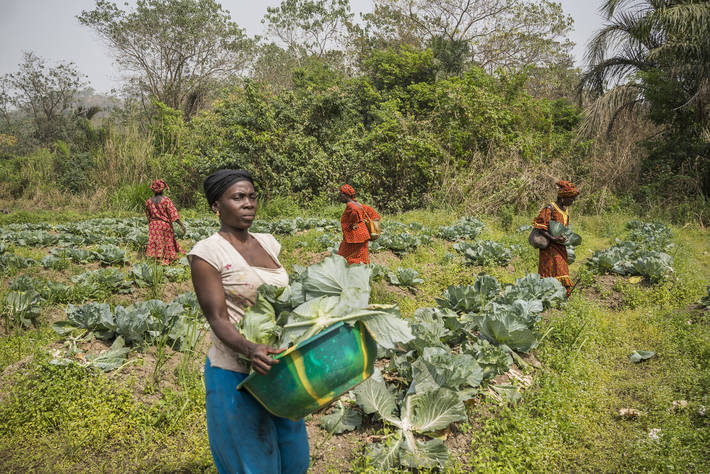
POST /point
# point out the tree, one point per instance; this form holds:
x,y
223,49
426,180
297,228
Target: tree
x,y
653,57
274,66
309,27
498,33
662,35
43,93
175,48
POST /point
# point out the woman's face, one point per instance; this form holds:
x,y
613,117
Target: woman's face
x,y
567,201
342,197
237,206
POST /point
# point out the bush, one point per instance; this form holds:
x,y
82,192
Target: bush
x,y
72,170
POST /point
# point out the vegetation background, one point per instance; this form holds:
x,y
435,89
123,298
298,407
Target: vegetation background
x,y
443,104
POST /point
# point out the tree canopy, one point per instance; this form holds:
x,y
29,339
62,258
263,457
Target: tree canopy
x,y
175,49
43,93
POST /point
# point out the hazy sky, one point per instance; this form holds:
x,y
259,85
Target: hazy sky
x,y
50,29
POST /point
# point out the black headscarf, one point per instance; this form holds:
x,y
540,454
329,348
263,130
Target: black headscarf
x,y
219,181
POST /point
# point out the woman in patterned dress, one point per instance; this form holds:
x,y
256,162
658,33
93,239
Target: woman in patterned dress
x,y
553,259
161,214
356,237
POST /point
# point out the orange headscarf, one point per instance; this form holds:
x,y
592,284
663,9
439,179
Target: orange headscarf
x,y
566,189
158,186
348,190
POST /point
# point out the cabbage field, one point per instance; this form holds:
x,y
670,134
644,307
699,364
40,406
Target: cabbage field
x,y
482,364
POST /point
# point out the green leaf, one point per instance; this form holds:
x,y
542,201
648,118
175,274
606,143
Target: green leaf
x,y
433,411
95,317
506,329
486,289
334,277
313,316
64,328
533,287
185,333
341,420
405,277
440,368
423,454
461,299
385,325
493,360
386,455
147,275
258,324
508,393
132,323
113,358
428,330
556,229
373,396
310,318
484,252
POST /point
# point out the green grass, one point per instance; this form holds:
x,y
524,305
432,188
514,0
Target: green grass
x,y
570,422
20,344
68,419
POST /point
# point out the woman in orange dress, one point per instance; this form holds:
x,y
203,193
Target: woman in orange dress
x,y
356,237
553,259
161,214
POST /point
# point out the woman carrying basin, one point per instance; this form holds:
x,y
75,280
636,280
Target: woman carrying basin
x,y
553,258
227,268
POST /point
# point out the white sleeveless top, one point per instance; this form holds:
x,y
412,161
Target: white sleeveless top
x,y
240,282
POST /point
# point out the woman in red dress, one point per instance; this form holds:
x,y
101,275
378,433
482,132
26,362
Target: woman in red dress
x,y
161,214
356,237
553,259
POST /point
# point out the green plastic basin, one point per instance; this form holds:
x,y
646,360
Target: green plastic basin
x,y
315,372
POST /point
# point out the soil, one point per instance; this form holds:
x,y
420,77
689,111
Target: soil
x,y
604,291
386,258
397,290
306,258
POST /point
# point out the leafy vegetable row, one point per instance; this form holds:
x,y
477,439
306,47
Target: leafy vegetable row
x,y
472,336
139,324
644,253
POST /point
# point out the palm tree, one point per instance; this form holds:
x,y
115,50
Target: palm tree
x,y
667,37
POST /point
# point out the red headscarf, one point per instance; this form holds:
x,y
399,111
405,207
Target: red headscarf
x,y
158,185
347,190
566,189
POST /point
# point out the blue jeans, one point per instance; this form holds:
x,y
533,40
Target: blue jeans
x,y
244,437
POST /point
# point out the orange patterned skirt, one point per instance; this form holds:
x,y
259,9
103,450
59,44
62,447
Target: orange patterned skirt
x,y
355,253
553,263
162,243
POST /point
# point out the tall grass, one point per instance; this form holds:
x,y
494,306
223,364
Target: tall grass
x,y
499,178
125,158
119,176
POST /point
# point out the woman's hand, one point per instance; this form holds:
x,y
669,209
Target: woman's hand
x,y
259,355
560,239
354,226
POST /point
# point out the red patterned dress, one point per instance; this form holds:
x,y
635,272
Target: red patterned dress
x,y
161,237
355,244
553,259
